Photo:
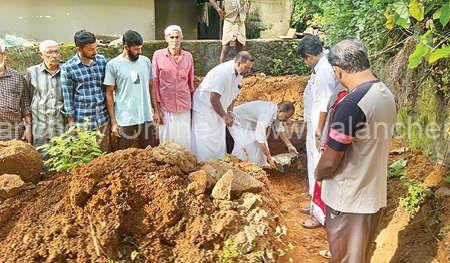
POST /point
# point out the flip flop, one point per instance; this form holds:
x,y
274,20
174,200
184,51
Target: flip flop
x,y
311,223
305,210
325,253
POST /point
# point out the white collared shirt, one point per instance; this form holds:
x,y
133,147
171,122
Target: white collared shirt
x,y
321,86
258,116
223,80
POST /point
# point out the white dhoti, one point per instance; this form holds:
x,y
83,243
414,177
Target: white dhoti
x,y
233,31
312,155
317,207
176,128
246,147
208,135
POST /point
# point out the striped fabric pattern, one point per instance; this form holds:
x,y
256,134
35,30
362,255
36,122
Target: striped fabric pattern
x,y
46,104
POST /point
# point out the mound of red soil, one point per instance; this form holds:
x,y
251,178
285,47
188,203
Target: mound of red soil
x,y
136,203
17,157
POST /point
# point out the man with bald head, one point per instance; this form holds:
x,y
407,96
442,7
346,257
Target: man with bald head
x,y
44,82
213,106
353,167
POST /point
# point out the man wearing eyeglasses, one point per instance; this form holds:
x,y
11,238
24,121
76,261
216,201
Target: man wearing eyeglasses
x,y
174,85
15,112
233,24
45,87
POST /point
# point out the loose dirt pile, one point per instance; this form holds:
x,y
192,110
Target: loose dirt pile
x,y
17,157
274,89
423,236
149,205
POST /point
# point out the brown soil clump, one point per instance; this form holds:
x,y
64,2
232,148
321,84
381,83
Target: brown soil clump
x,y
274,89
136,203
423,236
17,157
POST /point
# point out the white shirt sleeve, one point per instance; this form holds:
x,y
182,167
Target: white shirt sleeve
x,y
323,90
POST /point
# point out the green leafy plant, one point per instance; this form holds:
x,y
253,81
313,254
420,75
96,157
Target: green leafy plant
x,y
74,147
418,18
277,67
297,65
230,252
415,197
397,168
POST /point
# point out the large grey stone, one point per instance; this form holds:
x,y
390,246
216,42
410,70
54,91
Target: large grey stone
x,y
235,182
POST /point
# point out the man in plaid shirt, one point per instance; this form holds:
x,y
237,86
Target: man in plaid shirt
x,y
82,86
15,112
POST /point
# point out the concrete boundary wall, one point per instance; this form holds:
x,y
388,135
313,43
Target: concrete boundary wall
x,y
206,53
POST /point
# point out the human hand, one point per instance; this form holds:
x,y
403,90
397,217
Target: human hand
x,y
115,130
228,119
28,134
221,13
271,162
292,149
161,117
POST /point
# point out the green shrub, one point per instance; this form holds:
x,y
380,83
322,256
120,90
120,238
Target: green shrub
x,y
415,197
230,252
397,168
74,147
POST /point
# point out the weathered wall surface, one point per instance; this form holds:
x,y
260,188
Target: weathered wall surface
x,y
423,99
178,12
275,16
206,53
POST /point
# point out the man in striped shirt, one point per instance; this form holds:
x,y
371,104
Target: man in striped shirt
x,y
45,87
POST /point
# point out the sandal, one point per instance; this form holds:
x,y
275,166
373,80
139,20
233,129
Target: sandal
x,y
325,253
311,223
305,210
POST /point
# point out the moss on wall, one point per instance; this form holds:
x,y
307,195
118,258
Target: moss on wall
x,y
423,98
206,54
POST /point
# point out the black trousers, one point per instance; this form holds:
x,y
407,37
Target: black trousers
x,y
139,136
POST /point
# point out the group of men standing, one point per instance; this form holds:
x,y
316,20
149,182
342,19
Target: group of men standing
x,y
130,99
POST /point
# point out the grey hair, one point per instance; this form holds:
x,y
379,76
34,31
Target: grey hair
x,y
45,44
172,28
244,56
350,55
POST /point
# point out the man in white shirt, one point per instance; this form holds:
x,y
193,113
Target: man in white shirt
x,y
213,106
317,94
251,123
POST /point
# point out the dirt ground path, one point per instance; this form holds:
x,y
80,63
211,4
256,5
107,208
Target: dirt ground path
x,y
291,190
